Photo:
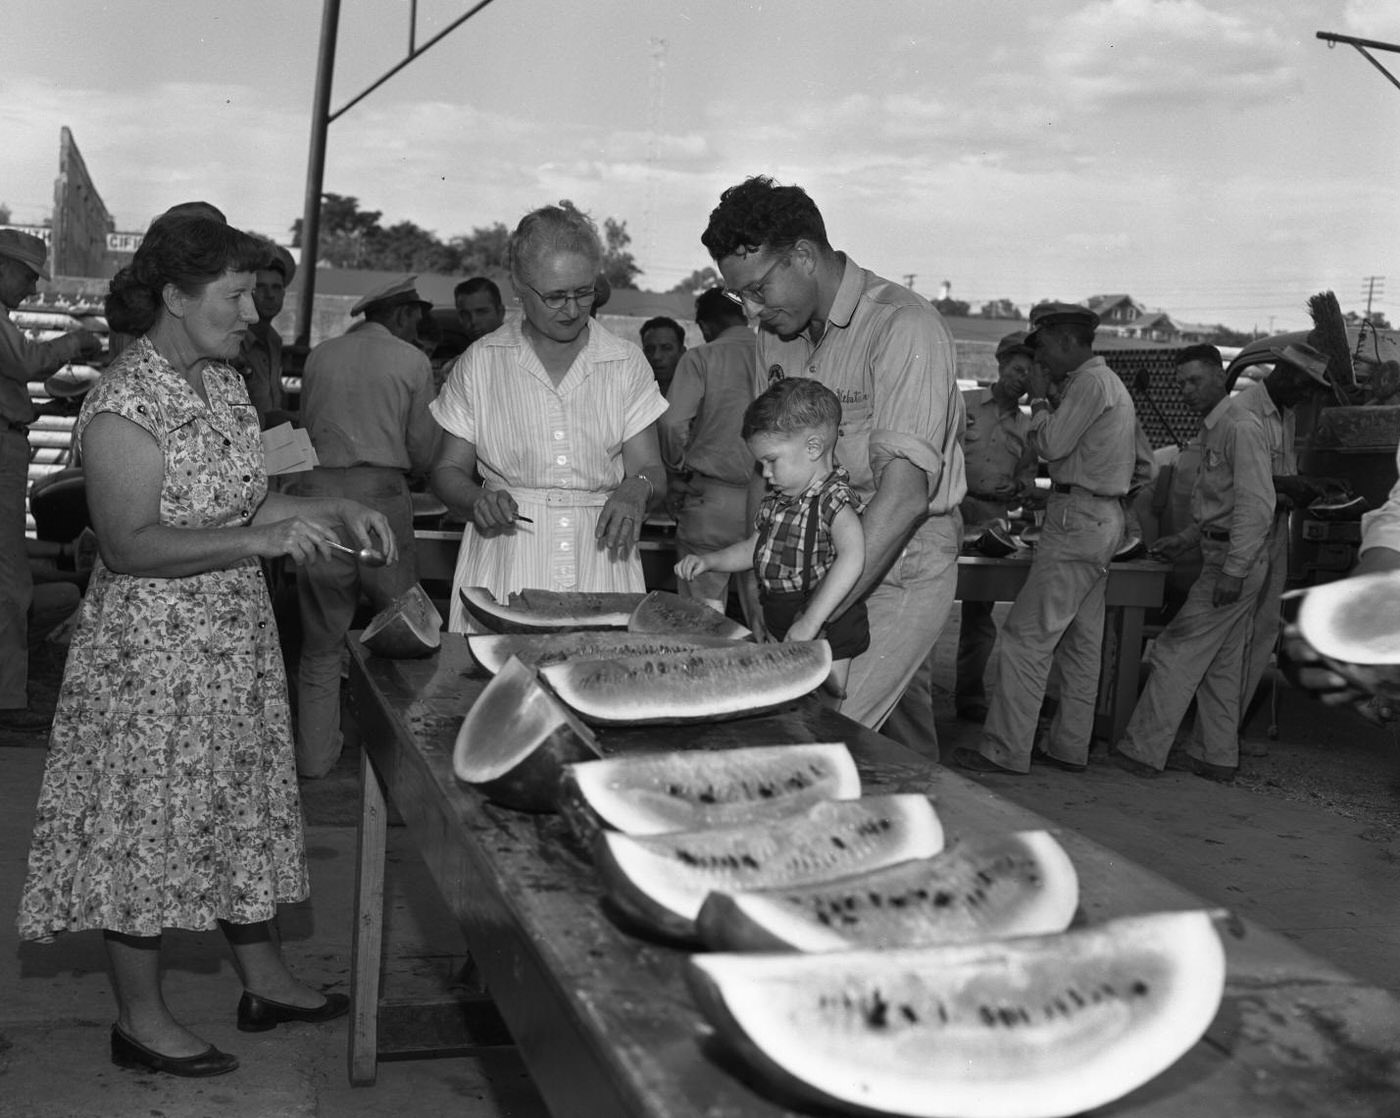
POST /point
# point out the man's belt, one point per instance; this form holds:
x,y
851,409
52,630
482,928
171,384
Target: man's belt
x,y
1064,487
14,425
1219,535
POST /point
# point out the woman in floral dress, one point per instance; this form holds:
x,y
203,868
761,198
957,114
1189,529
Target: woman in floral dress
x,y
170,797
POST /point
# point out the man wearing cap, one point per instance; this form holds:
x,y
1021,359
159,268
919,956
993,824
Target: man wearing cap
x,y
364,403
889,358
22,259
1089,442
1001,469
710,465
1299,375
262,344
1201,652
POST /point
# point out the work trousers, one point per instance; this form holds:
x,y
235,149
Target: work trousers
x,y
1265,619
1056,619
977,635
16,580
1200,653
712,516
891,684
328,592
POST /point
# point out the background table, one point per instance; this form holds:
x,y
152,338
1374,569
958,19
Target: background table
x,y
603,1019
1133,589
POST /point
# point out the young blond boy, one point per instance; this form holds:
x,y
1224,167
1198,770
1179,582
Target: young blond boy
x,y
807,549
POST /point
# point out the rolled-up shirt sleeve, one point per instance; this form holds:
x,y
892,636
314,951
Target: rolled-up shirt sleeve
x,y
918,410
1381,528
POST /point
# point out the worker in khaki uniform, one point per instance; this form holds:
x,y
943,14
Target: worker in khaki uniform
x,y
1089,441
364,401
1202,650
1001,469
1299,375
22,259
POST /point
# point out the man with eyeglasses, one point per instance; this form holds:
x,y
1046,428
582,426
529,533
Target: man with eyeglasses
x,y
888,356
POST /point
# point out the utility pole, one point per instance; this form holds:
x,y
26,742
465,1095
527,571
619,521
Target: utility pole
x,y
909,278
1375,286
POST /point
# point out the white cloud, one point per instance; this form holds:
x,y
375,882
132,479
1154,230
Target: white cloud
x,y
1371,19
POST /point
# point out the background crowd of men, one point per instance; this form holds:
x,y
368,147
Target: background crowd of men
x,y
927,463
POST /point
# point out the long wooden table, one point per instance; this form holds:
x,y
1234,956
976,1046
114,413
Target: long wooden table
x,y
603,1020
1133,589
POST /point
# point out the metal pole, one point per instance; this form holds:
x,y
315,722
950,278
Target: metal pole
x,y
316,169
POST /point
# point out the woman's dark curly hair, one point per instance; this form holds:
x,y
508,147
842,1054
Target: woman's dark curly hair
x,y
758,213
190,252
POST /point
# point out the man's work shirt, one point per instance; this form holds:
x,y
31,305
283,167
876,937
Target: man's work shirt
x,y
1090,440
23,360
889,358
996,449
1278,428
261,351
700,429
1234,492
364,402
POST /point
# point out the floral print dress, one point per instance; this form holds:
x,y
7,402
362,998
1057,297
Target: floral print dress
x,y
170,798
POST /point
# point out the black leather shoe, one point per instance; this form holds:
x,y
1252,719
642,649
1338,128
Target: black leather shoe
x,y
1054,762
257,1015
1221,774
128,1053
973,761
1132,765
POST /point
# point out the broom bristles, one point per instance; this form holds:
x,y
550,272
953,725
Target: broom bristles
x,y
1329,336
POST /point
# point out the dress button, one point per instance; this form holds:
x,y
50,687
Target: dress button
x,y
560,459
558,435
563,522
564,545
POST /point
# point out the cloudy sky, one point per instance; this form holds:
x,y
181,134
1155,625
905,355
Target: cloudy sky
x,y
1210,157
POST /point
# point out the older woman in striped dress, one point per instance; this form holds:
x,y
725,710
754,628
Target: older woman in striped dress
x,y
550,452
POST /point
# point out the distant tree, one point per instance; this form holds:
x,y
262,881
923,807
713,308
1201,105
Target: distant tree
x,y
619,266
345,232
1000,308
4,213
953,308
1220,334
1379,321
702,279
483,250
404,247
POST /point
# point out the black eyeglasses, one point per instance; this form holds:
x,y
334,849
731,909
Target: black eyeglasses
x,y
753,293
557,300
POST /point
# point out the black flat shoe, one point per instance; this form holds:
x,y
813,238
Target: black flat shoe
x,y
972,761
128,1053
257,1015
1043,758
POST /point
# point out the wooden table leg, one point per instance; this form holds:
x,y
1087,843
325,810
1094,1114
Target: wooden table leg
x,y
1127,669
367,945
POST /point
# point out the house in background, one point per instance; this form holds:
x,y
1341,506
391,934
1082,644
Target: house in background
x,y
1124,317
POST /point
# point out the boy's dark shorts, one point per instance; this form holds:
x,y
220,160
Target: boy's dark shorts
x,y
847,633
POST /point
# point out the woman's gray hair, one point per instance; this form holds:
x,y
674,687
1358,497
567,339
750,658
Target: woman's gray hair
x,y
549,230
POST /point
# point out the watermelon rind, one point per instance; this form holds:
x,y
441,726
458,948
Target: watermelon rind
x,y
516,739
1014,884
658,793
517,617
408,628
1036,1027
1354,620
491,650
659,882
664,612
702,685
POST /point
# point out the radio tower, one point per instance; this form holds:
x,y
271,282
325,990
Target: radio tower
x,y
656,96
